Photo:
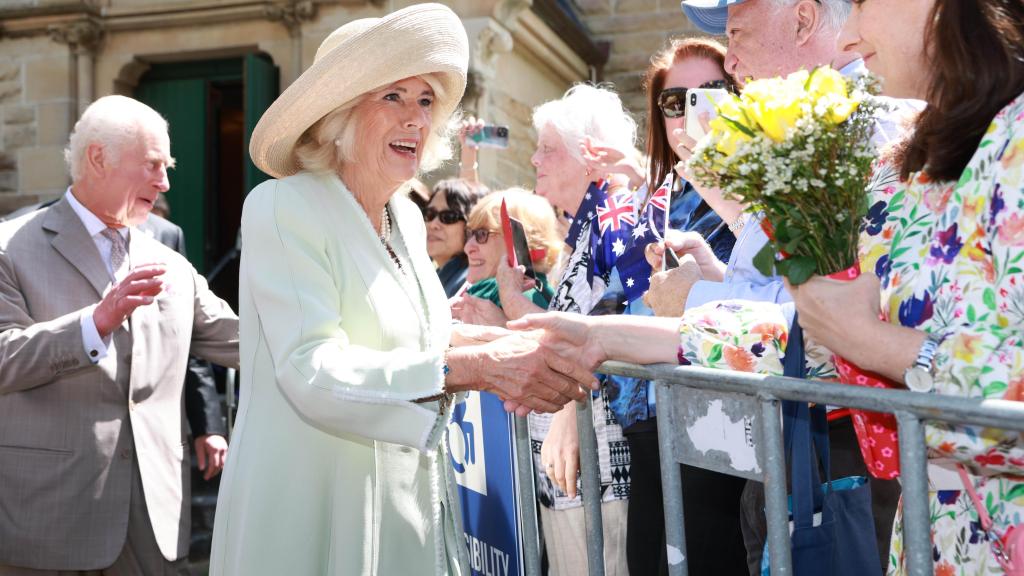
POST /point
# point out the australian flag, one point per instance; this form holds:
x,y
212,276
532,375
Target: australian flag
x,y
612,217
634,271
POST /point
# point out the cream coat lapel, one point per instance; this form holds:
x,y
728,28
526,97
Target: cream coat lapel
x,y
374,259
72,241
409,223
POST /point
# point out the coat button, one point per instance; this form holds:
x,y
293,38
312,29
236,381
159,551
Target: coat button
x,y
126,453
94,353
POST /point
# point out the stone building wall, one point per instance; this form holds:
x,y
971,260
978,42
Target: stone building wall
x,y
34,111
48,74
636,30
56,56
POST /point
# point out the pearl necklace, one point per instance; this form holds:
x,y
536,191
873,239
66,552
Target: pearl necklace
x,y
385,227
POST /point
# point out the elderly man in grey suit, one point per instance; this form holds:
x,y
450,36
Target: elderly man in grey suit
x,y
96,324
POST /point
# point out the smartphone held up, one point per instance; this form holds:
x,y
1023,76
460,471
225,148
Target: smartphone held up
x,y
489,136
701,107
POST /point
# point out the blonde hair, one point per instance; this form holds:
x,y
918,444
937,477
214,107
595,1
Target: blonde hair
x,y
536,214
331,140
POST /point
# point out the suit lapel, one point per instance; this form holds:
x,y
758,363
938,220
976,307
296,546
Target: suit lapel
x,y
72,241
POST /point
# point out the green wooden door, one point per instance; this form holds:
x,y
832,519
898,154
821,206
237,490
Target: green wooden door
x,y
261,88
184,103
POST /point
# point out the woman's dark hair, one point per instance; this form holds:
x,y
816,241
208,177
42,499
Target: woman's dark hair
x,y
659,152
977,47
460,194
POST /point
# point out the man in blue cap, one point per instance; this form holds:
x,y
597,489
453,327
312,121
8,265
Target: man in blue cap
x,y
776,37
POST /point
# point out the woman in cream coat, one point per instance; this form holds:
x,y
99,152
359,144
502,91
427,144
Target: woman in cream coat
x,y
348,353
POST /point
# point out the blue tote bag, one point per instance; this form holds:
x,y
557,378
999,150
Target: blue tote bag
x,y
833,530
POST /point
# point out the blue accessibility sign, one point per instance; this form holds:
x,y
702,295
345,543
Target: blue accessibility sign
x,y
482,455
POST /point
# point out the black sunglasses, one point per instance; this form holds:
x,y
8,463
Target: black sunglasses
x,y
446,216
672,101
481,235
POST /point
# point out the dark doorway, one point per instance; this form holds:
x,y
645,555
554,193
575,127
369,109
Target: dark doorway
x,y
211,107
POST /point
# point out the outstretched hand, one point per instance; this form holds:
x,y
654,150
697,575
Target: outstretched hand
x,y
530,375
567,335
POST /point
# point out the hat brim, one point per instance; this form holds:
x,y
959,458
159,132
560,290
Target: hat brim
x,y
421,39
710,20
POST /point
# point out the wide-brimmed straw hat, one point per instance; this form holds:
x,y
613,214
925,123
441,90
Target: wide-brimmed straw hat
x,y
357,58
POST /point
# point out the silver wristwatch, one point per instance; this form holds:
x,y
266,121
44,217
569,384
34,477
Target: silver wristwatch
x,y
921,376
737,225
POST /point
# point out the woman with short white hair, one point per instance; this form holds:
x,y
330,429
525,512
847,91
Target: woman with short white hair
x,y
350,358
568,132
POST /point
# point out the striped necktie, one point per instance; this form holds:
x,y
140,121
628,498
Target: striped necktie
x,y
118,252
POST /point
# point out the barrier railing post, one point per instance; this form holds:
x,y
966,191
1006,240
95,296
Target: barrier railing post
x,y
671,486
775,500
917,540
590,470
527,498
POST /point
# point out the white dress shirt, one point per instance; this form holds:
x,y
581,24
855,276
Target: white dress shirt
x,y
95,347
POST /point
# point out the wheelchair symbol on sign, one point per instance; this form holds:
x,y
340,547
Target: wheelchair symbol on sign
x,y
461,444
465,440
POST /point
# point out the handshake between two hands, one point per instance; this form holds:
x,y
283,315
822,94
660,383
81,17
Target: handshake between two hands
x,y
539,363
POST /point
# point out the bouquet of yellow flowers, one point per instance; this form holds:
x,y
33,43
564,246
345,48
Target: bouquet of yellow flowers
x,y
799,150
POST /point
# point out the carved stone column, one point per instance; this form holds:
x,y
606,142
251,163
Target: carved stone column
x,y
292,14
493,39
83,38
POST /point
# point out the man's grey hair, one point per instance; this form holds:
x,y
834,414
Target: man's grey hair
x,y
834,12
113,122
587,111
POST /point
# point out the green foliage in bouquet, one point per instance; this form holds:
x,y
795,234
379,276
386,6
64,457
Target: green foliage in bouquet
x,y
799,150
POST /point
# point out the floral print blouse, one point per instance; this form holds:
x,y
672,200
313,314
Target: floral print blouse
x,y
950,258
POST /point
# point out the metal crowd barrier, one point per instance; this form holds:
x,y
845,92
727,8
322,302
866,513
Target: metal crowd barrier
x,y
684,392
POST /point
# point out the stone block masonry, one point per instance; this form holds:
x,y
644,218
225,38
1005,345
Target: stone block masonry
x,y
636,30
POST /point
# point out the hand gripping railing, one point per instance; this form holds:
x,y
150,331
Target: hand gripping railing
x,y
910,409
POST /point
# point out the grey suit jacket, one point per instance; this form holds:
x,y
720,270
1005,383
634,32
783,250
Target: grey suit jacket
x,y
165,232
69,429
202,403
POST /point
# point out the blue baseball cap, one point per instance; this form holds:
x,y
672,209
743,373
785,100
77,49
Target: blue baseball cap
x,y
708,15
